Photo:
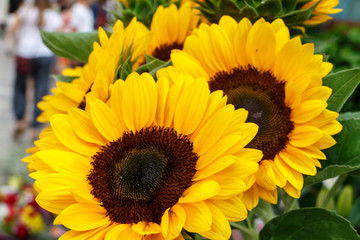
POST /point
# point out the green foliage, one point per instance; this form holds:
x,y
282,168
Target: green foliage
x,y
62,78
75,46
354,215
343,84
143,10
290,11
345,201
309,224
321,197
344,157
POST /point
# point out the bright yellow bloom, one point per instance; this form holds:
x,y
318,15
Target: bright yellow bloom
x,y
279,81
152,160
32,219
323,8
93,80
170,26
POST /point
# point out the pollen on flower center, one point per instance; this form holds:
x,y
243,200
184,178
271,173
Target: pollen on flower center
x,y
163,51
263,96
140,175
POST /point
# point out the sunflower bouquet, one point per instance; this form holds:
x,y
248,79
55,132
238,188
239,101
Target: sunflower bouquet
x,y
197,120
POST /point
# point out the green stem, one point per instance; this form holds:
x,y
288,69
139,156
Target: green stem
x,y
264,211
333,190
291,205
289,202
245,230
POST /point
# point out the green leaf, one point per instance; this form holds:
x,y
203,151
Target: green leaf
x,y
309,224
75,46
153,72
61,78
343,85
344,157
354,215
151,63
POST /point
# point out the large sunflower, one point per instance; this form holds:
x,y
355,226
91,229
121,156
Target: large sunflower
x,y
279,81
93,79
156,158
170,26
322,9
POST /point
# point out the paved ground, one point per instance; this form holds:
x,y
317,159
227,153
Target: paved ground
x,y
11,151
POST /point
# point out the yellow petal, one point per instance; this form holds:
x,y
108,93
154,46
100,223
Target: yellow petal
x,y
200,191
64,132
173,221
298,160
96,234
215,167
332,127
308,110
105,120
163,91
266,176
317,93
261,45
270,196
304,136
313,152
250,198
83,127
233,208
122,231
211,132
292,191
198,217
145,228
220,228
139,101
325,142
63,161
188,64
83,216
187,114
293,176
55,201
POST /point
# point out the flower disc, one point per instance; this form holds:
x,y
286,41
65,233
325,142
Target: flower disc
x,y
265,101
142,173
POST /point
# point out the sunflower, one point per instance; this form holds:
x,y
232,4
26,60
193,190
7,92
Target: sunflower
x,y
93,79
279,81
323,8
147,163
170,26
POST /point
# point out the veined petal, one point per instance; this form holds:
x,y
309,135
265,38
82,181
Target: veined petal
x,y
83,216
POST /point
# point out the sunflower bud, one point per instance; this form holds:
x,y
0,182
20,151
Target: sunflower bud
x,y
345,201
294,12
321,197
143,10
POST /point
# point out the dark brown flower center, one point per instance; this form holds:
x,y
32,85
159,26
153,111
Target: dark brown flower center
x,y
140,175
163,51
263,96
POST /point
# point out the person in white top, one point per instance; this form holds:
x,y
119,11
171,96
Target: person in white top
x,y
82,17
33,57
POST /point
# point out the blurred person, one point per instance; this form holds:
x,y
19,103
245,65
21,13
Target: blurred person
x,y
10,38
32,57
82,17
99,13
